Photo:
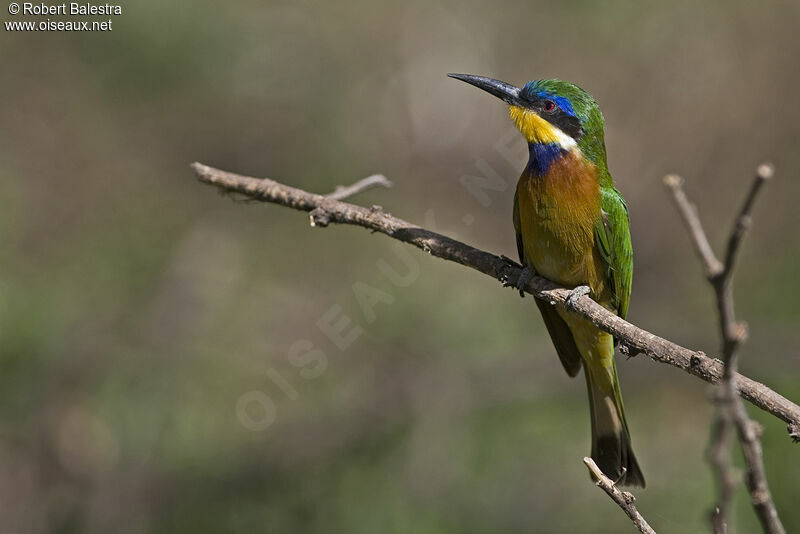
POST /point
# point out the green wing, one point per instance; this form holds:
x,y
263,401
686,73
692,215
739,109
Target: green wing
x,y
613,238
559,331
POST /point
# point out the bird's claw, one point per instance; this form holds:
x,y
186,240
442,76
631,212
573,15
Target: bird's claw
x,y
508,261
627,350
575,294
522,280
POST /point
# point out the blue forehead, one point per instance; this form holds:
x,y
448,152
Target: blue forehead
x,y
530,90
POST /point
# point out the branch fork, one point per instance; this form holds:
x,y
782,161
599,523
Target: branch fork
x,y
327,209
731,411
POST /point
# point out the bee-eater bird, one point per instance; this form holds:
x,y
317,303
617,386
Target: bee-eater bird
x,y
572,228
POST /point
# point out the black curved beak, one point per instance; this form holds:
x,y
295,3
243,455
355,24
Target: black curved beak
x,y
502,90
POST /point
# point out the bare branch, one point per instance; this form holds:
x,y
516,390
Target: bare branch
x,y
376,180
325,210
693,225
755,478
733,333
624,499
719,456
764,172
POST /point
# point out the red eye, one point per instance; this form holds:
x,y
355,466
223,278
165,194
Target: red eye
x,y
549,106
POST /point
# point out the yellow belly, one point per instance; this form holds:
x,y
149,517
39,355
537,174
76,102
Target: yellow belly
x,y
551,256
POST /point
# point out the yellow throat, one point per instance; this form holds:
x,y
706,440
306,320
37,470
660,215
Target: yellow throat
x,y
537,130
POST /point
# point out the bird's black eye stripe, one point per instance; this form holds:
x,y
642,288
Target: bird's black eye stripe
x,y
569,124
554,114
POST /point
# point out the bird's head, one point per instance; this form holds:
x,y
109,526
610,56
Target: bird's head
x,y
550,111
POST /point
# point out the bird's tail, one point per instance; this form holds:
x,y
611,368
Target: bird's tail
x,y
611,442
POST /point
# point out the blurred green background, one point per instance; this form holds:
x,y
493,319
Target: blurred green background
x,y
149,326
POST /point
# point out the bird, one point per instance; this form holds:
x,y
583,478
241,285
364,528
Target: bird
x,y
572,227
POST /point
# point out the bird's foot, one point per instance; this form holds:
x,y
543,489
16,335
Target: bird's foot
x,y
575,294
627,350
509,261
522,280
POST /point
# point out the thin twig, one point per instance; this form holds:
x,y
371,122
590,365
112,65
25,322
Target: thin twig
x,y
719,456
624,499
733,333
325,210
693,225
376,180
764,172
